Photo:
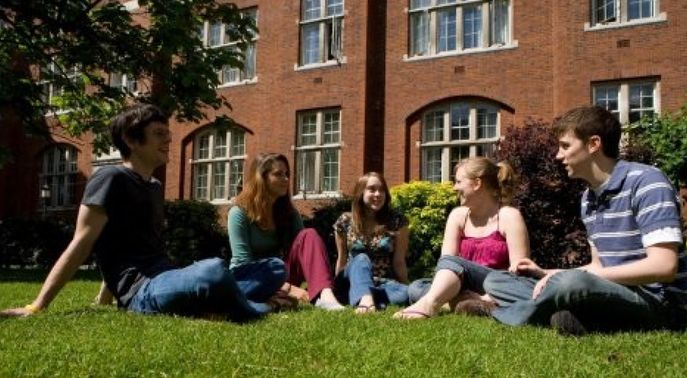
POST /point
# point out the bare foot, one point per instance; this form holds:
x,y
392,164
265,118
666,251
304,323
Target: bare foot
x,y
366,305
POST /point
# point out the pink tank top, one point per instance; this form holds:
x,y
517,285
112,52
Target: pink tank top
x,y
490,251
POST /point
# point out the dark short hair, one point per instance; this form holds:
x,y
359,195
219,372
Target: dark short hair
x,y
130,124
587,121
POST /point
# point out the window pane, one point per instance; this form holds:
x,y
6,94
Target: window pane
x,y
330,170
215,34
62,161
235,177
201,181
640,9
334,7
414,4
307,133
419,27
487,150
311,9
432,164
446,30
486,123
605,10
641,101
203,151
457,154
472,26
331,128
219,171
249,62
306,171
607,97
220,145
460,122
311,43
434,127
499,22
334,48
238,143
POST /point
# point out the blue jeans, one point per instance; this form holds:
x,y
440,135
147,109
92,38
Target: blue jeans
x,y
472,274
599,304
206,286
356,281
259,280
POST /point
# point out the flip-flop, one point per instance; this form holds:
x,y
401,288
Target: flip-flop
x,y
420,314
365,309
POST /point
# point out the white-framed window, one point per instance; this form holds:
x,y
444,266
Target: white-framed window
x,y
125,82
50,90
443,26
321,34
218,158
215,35
608,12
629,101
58,173
318,151
454,131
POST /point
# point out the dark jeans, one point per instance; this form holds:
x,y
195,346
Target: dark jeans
x,y
600,305
356,280
472,274
206,286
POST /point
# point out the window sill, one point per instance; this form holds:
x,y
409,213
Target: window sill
x,y
316,196
662,17
479,50
313,66
239,83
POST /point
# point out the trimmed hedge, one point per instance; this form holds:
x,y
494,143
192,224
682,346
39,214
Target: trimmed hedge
x,y
192,232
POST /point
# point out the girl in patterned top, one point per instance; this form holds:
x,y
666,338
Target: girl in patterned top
x,y
371,242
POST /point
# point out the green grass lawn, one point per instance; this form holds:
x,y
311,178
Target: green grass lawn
x,y
75,339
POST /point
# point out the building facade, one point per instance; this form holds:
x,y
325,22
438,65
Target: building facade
x,y
406,87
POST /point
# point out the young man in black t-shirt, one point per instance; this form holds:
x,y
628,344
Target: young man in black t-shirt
x,y
120,219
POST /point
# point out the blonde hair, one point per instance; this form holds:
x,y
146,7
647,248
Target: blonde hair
x,y
499,178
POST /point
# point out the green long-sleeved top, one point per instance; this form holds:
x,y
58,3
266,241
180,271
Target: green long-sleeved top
x,y
249,242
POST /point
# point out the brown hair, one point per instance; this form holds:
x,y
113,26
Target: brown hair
x,y
254,198
499,178
587,121
130,124
358,206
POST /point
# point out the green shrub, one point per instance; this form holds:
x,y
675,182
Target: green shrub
x,y
547,198
193,232
666,137
33,242
426,206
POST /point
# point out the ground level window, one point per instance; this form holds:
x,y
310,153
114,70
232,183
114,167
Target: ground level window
x,y
628,101
218,158
453,132
58,176
318,151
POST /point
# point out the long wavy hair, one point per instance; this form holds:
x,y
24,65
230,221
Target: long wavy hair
x,y
254,199
382,216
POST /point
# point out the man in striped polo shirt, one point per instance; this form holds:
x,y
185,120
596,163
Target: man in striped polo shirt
x,y
637,277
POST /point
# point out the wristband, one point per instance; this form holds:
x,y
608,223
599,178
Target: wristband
x,y
32,309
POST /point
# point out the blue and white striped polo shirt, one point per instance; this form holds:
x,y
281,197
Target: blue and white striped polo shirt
x,y
638,201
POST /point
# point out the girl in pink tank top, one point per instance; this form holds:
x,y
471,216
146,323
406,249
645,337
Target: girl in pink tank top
x,y
481,235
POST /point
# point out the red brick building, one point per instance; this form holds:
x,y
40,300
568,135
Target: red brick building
x,y
407,87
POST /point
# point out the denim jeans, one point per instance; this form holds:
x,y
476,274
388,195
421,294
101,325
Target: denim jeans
x,y
472,274
356,281
259,280
599,304
206,286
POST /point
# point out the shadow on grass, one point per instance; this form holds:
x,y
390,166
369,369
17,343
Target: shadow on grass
x,y
38,275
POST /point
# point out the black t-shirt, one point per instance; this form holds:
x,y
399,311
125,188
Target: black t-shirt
x,y
130,247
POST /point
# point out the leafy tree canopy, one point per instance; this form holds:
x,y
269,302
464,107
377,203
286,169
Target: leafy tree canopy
x,y
74,44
